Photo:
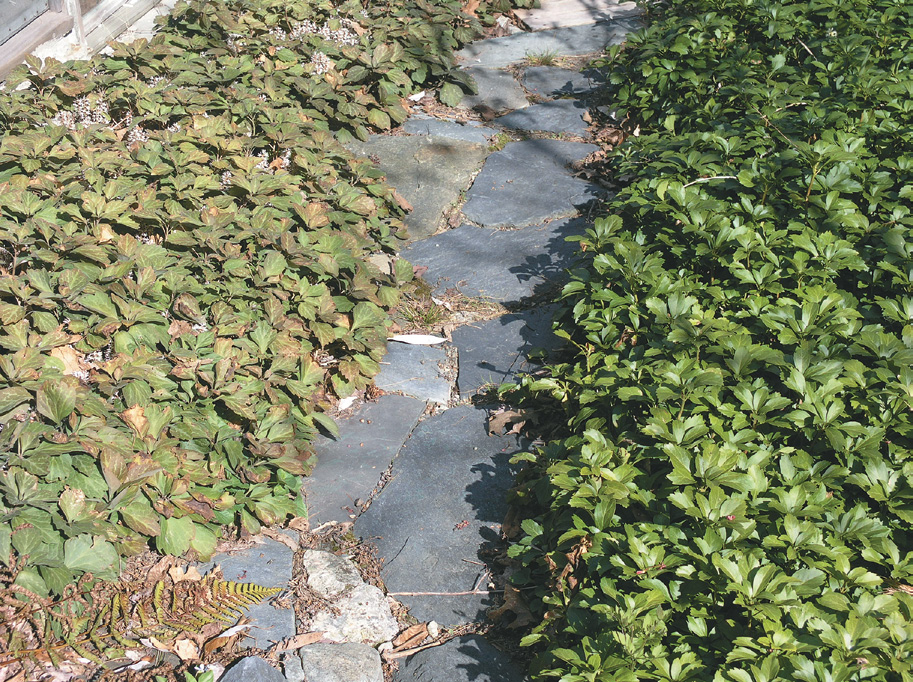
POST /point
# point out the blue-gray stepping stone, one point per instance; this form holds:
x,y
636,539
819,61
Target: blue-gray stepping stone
x,y
350,466
497,89
558,116
449,129
447,497
498,350
499,265
267,563
529,182
252,669
551,81
429,172
416,371
573,40
469,658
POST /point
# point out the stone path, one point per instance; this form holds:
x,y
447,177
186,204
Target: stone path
x,y
417,471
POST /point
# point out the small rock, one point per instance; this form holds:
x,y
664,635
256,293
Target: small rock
x,y
291,665
385,646
364,616
341,663
433,629
252,669
330,575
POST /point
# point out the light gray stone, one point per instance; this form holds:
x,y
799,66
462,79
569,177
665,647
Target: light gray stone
x,y
447,497
291,666
558,116
498,350
350,466
341,663
498,90
416,371
267,563
500,265
529,182
330,575
449,129
429,172
463,659
558,13
550,81
575,40
363,616
252,669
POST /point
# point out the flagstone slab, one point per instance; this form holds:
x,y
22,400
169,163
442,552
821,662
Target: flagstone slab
x,y
498,90
429,172
417,371
449,129
469,658
500,265
497,351
350,466
557,116
573,40
551,81
529,182
553,14
445,500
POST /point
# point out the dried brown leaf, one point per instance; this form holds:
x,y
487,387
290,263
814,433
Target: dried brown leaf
x,y
187,650
179,574
506,422
411,636
280,537
298,641
70,357
513,603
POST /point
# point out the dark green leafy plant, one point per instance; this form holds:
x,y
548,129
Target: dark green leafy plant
x,y
733,497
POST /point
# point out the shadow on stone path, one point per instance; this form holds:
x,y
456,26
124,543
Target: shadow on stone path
x,y
417,471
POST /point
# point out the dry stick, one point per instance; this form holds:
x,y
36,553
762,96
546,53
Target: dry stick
x,y
715,177
806,48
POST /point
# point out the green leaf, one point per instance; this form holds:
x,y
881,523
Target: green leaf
x,y
450,94
56,400
176,535
86,553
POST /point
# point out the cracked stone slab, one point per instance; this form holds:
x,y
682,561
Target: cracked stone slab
x,y
501,265
469,658
558,116
267,563
560,13
569,41
329,575
416,371
446,499
252,669
529,182
340,663
551,81
449,129
498,350
348,467
429,172
497,89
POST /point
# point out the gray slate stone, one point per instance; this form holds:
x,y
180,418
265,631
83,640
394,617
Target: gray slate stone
x,y
496,351
449,129
450,472
499,265
330,575
575,40
341,663
415,371
558,13
349,467
363,617
497,89
558,116
529,182
550,81
291,666
463,659
252,669
268,563
429,172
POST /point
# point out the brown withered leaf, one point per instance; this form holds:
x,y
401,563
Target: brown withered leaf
x,y
187,650
513,603
401,200
574,558
161,567
135,417
471,6
300,524
510,528
411,636
228,638
280,537
70,357
179,574
297,642
511,420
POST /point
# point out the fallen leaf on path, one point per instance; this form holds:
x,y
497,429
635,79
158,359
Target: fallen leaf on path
x,y
418,339
281,537
231,635
300,524
179,574
411,636
513,603
506,422
298,641
187,650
